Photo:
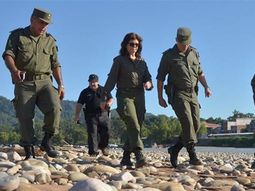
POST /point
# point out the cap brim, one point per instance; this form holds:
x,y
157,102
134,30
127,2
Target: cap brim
x,y
46,21
186,42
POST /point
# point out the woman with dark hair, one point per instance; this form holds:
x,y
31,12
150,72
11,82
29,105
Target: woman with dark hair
x,y
130,74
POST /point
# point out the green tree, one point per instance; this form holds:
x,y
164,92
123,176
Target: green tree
x,y
202,130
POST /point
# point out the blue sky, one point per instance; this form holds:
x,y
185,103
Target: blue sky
x,y
89,34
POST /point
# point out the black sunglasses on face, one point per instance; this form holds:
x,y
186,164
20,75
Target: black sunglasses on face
x,y
133,44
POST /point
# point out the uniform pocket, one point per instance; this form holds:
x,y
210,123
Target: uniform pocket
x,y
25,52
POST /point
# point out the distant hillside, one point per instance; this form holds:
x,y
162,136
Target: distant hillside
x,y
7,113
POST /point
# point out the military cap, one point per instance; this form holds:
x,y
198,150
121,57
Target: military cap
x,y
93,77
184,35
42,15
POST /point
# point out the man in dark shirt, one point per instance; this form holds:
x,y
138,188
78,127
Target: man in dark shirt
x,y
96,110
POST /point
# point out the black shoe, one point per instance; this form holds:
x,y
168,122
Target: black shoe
x,y
126,159
47,147
174,151
29,150
253,165
94,154
140,159
193,156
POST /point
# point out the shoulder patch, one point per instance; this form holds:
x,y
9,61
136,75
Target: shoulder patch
x,y
16,30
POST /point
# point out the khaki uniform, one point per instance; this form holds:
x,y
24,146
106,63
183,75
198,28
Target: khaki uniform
x,y
183,72
37,56
129,77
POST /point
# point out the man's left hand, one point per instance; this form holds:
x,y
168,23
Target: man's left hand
x,y
61,92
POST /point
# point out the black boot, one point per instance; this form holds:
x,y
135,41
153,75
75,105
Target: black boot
x,y
192,155
253,165
140,159
47,147
29,150
126,159
174,151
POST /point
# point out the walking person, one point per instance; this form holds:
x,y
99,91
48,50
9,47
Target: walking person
x,y
31,57
253,90
182,66
130,74
96,112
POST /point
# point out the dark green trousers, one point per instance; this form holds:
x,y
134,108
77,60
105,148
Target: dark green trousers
x,y
187,109
131,109
42,94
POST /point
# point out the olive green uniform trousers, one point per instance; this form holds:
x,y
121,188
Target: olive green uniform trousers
x,y
187,109
131,109
42,94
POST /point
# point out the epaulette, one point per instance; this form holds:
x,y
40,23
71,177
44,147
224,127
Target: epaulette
x,y
168,50
195,51
16,30
48,34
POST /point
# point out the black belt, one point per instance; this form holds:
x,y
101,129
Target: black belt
x,y
188,90
32,77
130,89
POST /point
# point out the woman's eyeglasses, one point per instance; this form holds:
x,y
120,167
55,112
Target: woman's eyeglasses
x,y
133,44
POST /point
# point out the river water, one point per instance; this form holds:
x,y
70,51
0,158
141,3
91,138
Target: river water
x,y
213,149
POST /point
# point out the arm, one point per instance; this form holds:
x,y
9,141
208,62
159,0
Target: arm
x,y
161,100
112,76
77,112
202,80
15,73
58,77
147,79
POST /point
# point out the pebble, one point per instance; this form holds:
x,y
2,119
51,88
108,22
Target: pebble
x,y
75,168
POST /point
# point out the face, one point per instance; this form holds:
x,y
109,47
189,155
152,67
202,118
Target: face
x,y
38,27
132,46
93,84
182,48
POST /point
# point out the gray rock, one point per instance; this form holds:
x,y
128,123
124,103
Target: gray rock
x,y
6,164
100,169
72,167
77,176
91,184
123,176
42,178
3,156
14,156
237,187
14,169
9,183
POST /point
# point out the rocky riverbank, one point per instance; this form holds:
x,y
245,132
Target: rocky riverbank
x,y
75,170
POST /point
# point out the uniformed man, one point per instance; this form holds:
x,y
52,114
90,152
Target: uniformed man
x,y
181,64
131,75
31,57
253,89
96,112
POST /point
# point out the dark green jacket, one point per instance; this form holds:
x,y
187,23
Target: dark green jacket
x,y
127,74
35,55
184,70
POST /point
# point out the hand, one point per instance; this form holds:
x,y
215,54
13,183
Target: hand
x,y
208,92
148,85
162,102
77,120
17,76
61,92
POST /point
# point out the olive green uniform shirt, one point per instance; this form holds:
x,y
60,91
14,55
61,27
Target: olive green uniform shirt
x,y
183,70
35,55
127,74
